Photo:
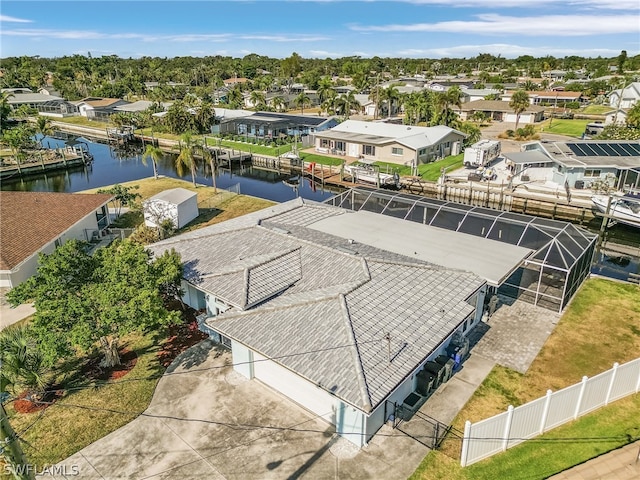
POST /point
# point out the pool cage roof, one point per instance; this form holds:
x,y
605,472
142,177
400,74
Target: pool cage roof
x,y
557,246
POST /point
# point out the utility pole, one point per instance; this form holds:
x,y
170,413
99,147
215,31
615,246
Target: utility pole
x,y
12,450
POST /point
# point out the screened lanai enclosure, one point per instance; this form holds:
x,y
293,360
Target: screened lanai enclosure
x,y
561,252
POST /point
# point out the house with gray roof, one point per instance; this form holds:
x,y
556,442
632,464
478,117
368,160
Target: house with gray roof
x,y
384,142
579,163
333,316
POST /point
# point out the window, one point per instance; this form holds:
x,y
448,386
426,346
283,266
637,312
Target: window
x,y
369,150
592,173
396,151
324,143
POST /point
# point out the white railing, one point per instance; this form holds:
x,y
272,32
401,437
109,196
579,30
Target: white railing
x,y
494,435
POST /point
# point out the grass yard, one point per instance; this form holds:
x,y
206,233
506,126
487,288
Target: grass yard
x,y
214,206
596,109
601,326
428,171
62,429
560,126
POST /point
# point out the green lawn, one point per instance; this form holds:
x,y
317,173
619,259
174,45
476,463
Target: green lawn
x,y
62,429
560,126
596,109
599,327
428,171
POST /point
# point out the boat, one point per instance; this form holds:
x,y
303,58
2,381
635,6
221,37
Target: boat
x,y
368,174
622,209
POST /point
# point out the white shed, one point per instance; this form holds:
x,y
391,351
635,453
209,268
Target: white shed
x,y
178,205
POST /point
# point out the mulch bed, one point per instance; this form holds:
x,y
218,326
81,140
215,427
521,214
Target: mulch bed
x,y
23,405
94,371
180,337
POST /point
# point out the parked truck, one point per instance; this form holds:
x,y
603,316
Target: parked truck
x,y
481,154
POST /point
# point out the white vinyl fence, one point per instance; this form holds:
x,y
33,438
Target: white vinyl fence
x,y
493,435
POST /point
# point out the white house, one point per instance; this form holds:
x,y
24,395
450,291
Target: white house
x,y
338,310
177,204
626,97
386,142
38,222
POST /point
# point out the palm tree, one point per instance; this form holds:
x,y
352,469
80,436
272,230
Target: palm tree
x,y
43,126
325,88
388,95
443,102
329,104
5,109
211,156
346,102
257,99
21,360
278,103
186,157
519,102
155,154
301,100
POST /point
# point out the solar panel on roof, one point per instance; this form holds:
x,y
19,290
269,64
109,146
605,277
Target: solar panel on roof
x,y
591,150
611,151
575,148
630,149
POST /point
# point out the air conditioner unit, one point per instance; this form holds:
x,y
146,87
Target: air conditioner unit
x,y
525,178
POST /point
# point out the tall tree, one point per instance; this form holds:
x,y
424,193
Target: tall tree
x,y
302,100
519,103
5,110
43,126
155,154
83,300
389,95
186,157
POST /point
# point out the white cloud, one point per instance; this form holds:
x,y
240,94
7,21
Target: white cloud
x,y
632,5
284,38
325,54
195,37
7,18
493,24
506,50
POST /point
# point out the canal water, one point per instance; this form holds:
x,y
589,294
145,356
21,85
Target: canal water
x,y
112,165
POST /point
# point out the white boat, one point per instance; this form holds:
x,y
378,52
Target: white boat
x,y
367,174
622,209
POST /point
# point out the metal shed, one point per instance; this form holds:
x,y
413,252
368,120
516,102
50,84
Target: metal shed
x,y
549,277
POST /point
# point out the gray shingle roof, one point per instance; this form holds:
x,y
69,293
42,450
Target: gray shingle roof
x,y
322,306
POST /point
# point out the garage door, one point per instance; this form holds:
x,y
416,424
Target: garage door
x,y
296,388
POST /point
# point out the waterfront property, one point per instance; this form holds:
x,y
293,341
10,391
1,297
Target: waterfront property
x,y
336,309
38,222
274,125
177,205
384,142
560,252
579,164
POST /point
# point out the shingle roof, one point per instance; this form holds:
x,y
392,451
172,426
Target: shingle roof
x,y
30,220
322,306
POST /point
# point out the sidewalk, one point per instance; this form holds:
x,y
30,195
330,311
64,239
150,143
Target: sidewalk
x,y
8,315
620,464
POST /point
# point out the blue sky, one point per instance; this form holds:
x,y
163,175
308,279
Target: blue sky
x,y
320,29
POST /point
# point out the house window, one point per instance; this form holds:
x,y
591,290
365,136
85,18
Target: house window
x,y
592,173
396,151
324,143
58,242
369,150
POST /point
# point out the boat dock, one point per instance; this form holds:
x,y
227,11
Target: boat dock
x,y
42,162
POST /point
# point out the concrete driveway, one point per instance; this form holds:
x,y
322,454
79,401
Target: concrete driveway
x,y
207,421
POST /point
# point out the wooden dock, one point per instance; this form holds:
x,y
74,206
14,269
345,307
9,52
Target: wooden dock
x,y
42,162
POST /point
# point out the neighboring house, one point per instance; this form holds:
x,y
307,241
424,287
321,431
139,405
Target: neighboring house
x,y
49,90
229,82
367,106
384,142
473,94
38,222
31,100
139,106
98,108
178,205
554,98
337,310
57,108
150,86
617,117
626,97
499,111
579,163
274,125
